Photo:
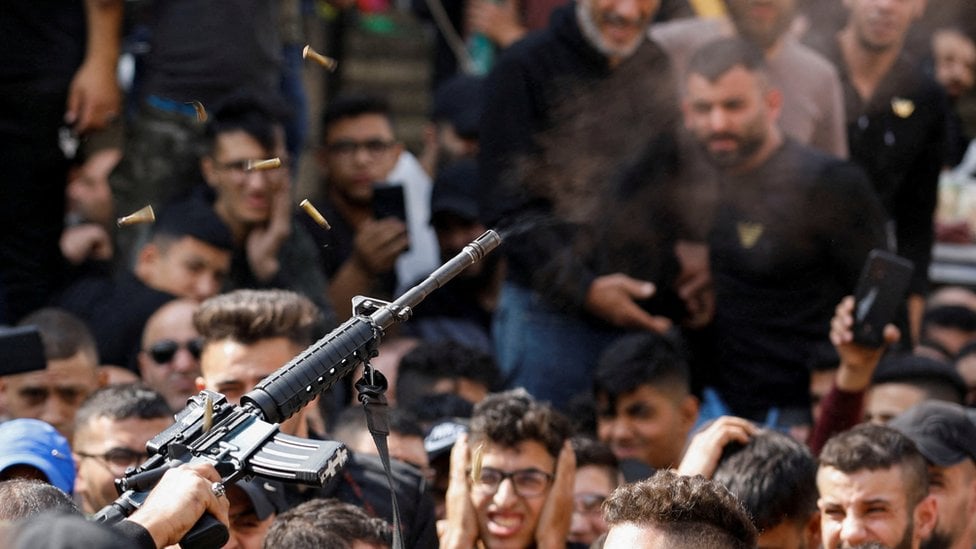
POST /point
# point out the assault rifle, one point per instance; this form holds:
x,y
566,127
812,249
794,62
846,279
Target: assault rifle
x,y
242,441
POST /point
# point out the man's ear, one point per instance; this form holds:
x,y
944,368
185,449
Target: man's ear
x,y
209,170
811,532
689,412
926,514
146,259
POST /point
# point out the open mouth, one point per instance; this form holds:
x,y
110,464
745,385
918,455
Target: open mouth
x,y
505,525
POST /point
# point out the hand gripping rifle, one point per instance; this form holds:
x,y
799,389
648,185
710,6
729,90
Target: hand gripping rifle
x,y
243,440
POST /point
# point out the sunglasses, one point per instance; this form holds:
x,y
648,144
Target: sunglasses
x,y
163,351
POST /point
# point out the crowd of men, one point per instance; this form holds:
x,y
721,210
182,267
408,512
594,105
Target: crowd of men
x,y
665,350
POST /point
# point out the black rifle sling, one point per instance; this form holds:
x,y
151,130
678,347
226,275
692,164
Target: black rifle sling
x,y
372,394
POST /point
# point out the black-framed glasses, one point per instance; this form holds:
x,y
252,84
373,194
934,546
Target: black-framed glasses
x,y
588,503
163,351
347,147
117,460
527,482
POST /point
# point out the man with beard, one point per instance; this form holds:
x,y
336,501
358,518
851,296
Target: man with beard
x,y
896,118
564,109
793,226
813,105
873,491
946,437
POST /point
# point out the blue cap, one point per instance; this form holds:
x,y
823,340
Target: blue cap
x,y
35,443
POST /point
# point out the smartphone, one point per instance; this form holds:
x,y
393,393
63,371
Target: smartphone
x,y
389,201
881,291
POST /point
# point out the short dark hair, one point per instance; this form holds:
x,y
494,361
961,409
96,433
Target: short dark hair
x,y
259,116
642,358
591,452
249,316
63,334
326,523
875,447
774,476
23,498
691,511
351,105
512,417
718,57
123,401
429,362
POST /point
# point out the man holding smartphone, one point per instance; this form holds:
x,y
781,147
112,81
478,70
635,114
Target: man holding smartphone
x,y
369,221
789,238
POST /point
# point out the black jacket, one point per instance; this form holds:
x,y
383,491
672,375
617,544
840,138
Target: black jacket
x,y
558,127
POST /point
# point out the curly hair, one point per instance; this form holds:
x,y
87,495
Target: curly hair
x,y
511,417
691,512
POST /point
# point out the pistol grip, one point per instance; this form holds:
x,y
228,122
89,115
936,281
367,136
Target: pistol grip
x,y
206,533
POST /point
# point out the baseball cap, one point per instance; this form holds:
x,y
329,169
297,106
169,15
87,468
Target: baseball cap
x,y
21,350
33,442
454,191
195,218
267,496
459,101
911,369
942,431
442,436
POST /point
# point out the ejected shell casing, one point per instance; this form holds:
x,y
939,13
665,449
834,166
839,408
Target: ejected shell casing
x,y
145,215
268,164
327,62
314,214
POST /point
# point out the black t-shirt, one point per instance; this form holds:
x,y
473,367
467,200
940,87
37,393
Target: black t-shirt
x,y
42,39
898,136
788,242
205,50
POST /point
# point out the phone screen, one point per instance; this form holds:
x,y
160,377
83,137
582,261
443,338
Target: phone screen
x,y
880,293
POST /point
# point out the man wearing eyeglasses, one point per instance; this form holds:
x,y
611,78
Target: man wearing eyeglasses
x,y
369,240
270,249
111,431
169,361
511,477
597,475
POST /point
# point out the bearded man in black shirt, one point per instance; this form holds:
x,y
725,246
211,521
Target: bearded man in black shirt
x,y
791,231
